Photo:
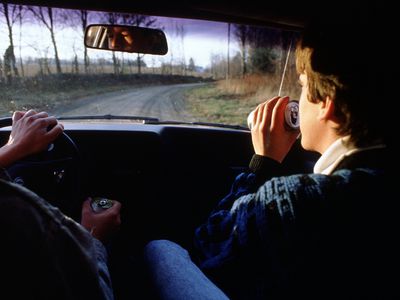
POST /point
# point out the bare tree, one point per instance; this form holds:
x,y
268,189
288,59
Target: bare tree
x,y
241,33
1,70
84,18
9,61
139,20
180,33
171,52
227,52
42,60
79,20
47,16
101,62
11,14
75,62
192,66
218,66
112,18
235,65
21,11
153,64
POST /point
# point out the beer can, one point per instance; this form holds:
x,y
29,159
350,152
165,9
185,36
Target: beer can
x,y
99,204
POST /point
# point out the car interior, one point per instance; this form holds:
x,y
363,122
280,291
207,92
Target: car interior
x,y
167,176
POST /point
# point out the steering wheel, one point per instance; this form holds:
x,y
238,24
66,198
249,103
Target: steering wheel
x,y
53,174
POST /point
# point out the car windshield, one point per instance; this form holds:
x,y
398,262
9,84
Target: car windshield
x,y
213,72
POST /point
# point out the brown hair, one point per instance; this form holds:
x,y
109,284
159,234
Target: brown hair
x,y
338,66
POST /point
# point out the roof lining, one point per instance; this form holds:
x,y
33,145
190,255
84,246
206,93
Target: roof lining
x,y
254,14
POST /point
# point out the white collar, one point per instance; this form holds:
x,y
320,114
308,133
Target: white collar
x,y
331,157
335,153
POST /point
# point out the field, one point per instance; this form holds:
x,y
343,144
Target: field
x,y
222,101
230,101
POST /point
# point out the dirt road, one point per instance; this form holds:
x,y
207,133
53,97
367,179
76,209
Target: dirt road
x,y
163,102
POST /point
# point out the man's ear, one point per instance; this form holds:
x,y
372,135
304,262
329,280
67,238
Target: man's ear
x,y
326,110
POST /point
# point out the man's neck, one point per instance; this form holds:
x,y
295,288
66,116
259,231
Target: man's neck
x,y
326,140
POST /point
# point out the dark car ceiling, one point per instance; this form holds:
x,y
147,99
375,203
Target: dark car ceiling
x,y
261,12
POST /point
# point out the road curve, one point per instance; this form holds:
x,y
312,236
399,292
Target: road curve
x,y
165,102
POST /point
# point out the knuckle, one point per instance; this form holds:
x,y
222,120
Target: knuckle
x,y
41,122
31,112
29,119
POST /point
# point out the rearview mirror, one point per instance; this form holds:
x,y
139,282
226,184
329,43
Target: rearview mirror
x,y
126,38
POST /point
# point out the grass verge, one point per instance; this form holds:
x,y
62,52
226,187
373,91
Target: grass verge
x,y
230,102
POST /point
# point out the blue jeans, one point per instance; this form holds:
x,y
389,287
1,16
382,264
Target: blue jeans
x,y
175,276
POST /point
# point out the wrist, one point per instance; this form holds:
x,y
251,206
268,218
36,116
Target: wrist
x,y
9,154
270,155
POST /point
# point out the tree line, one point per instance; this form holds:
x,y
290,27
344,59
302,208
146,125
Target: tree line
x,y
260,49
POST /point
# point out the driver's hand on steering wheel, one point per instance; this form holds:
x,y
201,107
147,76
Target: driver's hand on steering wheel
x,y
102,225
30,134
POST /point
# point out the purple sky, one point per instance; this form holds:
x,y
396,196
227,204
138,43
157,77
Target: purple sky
x,y
201,40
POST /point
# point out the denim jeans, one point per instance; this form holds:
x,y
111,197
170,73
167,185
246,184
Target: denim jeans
x,y
175,276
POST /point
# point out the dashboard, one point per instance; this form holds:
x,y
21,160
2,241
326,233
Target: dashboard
x,y
168,177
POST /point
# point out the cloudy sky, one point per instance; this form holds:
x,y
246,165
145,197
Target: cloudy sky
x,y
201,39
